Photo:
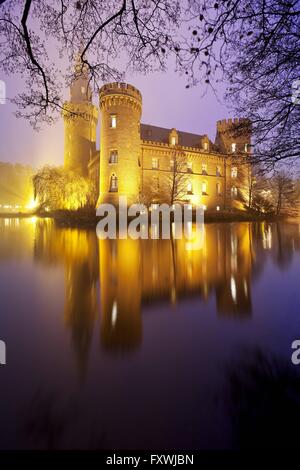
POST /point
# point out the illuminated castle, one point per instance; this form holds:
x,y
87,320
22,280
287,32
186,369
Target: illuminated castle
x,y
137,160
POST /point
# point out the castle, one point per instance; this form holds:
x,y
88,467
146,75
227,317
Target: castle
x,y
151,164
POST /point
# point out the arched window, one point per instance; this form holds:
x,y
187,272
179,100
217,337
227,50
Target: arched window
x,y
113,188
219,189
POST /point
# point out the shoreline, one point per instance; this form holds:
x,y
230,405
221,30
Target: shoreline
x,y
89,220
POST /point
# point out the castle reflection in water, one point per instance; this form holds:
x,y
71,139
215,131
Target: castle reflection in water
x,y
114,282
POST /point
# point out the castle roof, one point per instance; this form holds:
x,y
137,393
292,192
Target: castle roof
x,y
161,134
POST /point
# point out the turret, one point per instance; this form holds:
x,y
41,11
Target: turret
x,y
233,136
120,167
80,119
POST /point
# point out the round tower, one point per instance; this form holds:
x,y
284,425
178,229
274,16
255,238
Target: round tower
x,y
120,146
80,120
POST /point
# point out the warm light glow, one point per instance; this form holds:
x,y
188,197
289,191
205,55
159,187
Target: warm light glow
x,y
32,204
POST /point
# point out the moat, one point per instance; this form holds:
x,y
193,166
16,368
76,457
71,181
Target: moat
x,y
129,344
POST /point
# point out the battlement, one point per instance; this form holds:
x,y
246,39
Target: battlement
x,y
226,124
120,88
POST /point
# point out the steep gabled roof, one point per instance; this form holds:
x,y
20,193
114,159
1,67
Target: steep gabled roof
x,y
161,134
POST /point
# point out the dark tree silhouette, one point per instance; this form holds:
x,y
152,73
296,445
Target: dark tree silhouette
x,y
255,48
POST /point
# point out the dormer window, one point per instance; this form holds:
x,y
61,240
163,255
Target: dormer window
x,y
173,140
233,147
113,121
173,137
205,146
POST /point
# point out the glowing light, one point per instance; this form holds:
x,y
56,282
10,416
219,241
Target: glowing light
x,y
32,204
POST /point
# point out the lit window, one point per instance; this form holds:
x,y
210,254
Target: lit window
x,y
189,167
204,169
218,208
173,140
234,172
218,171
246,147
113,122
155,183
204,187
154,163
234,192
205,145
113,184
189,187
113,156
171,165
219,189
233,147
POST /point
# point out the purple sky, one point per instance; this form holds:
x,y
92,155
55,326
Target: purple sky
x,y
166,103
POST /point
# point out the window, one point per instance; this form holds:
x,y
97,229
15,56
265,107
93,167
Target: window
x,y
233,147
246,147
171,165
234,192
154,163
173,140
205,145
218,208
204,169
113,188
82,90
218,171
219,189
113,156
189,167
189,188
204,188
113,121
234,172
155,183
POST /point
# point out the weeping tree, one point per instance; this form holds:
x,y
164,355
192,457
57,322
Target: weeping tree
x,y
56,188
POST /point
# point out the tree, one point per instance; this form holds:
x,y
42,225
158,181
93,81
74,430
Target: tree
x,y
142,33
56,188
176,182
255,48
285,196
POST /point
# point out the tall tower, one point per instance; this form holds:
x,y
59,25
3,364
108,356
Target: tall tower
x,y
120,167
233,135
80,119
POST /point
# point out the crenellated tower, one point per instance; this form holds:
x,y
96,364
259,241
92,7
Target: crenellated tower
x,y
80,120
120,166
233,135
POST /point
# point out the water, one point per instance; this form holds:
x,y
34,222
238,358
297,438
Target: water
x,y
145,345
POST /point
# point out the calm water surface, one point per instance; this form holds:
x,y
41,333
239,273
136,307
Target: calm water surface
x,y
144,345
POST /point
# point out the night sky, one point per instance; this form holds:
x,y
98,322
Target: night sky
x,y
166,103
